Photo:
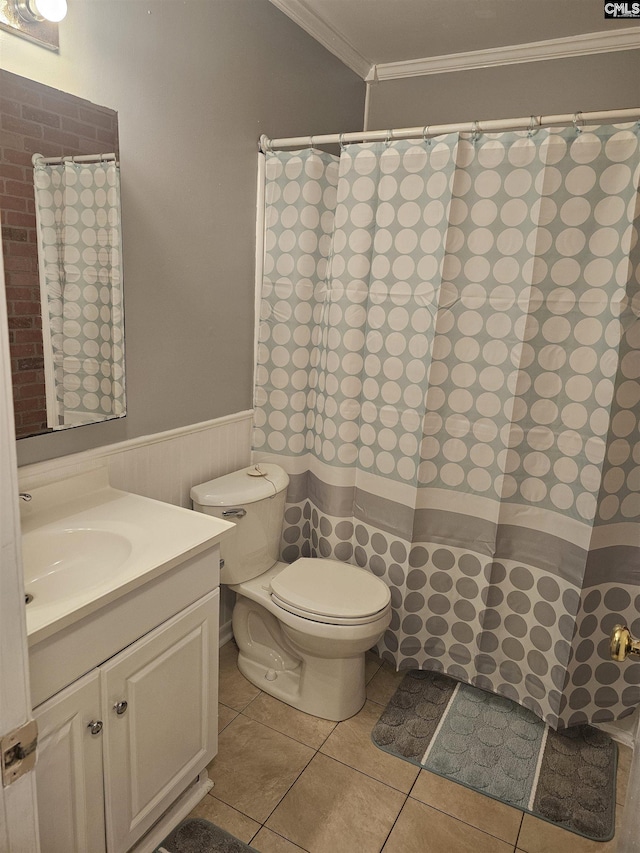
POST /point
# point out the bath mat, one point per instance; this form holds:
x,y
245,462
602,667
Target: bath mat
x,y
494,746
196,835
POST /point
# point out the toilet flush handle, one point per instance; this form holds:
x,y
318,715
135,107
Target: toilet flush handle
x,y
234,513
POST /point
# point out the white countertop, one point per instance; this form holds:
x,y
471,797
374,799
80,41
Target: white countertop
x,y
86,544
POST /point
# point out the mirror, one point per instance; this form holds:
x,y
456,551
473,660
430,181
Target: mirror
x,y
62,257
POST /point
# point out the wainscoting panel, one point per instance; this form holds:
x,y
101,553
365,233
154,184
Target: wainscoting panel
x,y
166,470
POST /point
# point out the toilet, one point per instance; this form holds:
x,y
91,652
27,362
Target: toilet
x,y
303,628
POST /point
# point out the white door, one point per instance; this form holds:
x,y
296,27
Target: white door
x,y
160,713
18,810
69,769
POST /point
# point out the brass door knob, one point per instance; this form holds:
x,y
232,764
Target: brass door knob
x,y
623,644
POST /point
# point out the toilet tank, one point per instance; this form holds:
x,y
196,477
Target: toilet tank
x,y
254,499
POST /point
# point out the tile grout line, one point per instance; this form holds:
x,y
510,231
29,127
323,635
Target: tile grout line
x,y
242,714
317,750
331,758
263,825
367,775
515,847
459,819
453,817
384,844
280,732
283,837
290,786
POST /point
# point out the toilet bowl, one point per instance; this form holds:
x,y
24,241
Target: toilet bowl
x,y
302,628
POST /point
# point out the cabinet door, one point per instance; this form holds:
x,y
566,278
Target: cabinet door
x,y
69,770
166,733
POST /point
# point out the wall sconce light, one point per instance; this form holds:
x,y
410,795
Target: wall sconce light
x,y
36,20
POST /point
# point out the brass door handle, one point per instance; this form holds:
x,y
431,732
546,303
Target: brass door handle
x,y
623,644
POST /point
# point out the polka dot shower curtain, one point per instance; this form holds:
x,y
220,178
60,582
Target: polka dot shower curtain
x,y
448,366
78,214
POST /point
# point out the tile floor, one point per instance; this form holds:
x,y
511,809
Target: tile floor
x,y
286,782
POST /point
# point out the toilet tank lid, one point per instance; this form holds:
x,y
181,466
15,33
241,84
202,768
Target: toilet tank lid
x,y
242,487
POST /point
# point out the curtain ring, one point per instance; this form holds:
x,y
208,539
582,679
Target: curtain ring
x,y
576,120
425,131
475,133
387,141
311,142
532,125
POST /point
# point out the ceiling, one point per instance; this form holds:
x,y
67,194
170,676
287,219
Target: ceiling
x,y
371,34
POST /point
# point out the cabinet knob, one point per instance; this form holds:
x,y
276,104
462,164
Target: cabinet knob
x,y
95,727
120,707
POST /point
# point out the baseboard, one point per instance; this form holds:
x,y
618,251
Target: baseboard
x,y
183,806
226,633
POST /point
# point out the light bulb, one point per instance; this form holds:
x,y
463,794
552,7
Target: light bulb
x,y
51,10
41,10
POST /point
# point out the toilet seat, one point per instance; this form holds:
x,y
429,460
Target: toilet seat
x,y
328,591
320,617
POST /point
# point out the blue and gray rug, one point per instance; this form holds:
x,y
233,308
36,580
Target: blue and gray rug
x,y
494,746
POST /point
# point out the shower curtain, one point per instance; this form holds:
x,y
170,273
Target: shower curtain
x,y
448,366
78,216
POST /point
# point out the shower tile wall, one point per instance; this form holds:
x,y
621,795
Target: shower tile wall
x,y
162,466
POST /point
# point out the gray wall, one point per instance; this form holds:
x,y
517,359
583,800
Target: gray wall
x,y
194,84
598,82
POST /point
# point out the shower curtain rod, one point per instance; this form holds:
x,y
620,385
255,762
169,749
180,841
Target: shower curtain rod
x,y
489,126
38,159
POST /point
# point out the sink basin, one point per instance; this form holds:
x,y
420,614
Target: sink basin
x,y
57,563
86,544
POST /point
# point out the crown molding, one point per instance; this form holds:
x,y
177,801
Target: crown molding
x,y
606,41
301,14
627,38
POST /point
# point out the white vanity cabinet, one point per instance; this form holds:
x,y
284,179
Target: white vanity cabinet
x,y
122,626
69,769
120,745
160,709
